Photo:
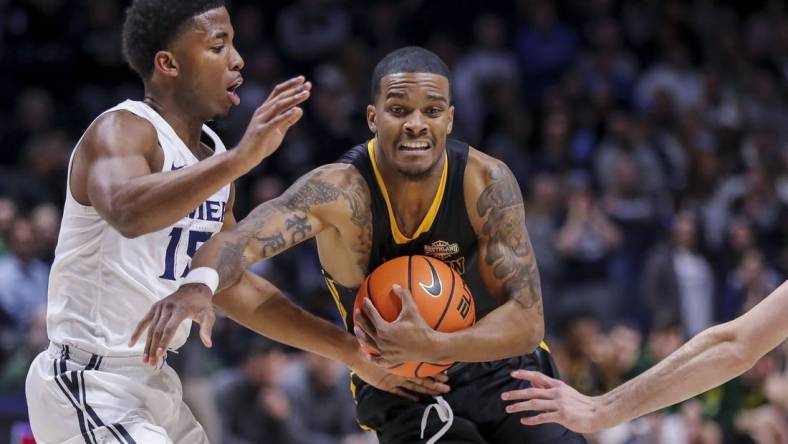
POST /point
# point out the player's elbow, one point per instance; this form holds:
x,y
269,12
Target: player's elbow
x,y
732,344
127,223
535,336
531,335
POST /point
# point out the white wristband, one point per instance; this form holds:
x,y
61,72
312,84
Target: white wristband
x,y
203,275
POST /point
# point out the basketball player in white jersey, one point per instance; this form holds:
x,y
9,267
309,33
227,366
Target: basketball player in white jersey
x,y
148,183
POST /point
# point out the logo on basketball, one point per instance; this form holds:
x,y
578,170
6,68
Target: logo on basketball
x,y
434,289
441,249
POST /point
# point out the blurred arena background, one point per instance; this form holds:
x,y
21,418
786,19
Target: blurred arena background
x,y
649,137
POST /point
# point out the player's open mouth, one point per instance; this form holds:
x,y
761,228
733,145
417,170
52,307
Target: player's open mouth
x,y
414,146
234,97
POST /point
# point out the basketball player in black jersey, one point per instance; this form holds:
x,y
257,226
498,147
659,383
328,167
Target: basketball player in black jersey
x,y
408,190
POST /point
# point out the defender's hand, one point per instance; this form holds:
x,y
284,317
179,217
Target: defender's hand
x,y
379,378
407,338
555,401
191,301
272,119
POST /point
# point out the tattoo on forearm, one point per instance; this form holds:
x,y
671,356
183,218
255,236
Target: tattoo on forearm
x,y
275,243
276,225
299,227
509,251
231,261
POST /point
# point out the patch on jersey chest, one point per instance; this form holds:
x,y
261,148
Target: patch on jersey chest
x,y
444,250
441,249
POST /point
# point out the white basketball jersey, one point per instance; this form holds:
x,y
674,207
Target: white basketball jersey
x,y
102,283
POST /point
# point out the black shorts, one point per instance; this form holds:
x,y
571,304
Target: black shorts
x,y
475,399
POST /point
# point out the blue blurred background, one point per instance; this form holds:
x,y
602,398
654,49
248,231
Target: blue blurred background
x,y
649,139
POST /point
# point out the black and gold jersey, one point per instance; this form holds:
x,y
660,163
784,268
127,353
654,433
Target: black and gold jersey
x,y
445,232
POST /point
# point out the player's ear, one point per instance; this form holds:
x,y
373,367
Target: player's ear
x,y
451,120
165,63
371,115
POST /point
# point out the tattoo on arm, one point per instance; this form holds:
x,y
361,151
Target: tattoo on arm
x,y
299,226
231,261
358,198
292,210
275,243
509,251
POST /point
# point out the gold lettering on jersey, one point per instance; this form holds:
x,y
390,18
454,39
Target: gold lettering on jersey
x,y
457,265
441,249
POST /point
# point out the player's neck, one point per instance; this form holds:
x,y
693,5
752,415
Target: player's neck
x,y
186,125
411,197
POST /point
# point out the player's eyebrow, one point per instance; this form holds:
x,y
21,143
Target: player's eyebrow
x,y
437,97
396,95
220,35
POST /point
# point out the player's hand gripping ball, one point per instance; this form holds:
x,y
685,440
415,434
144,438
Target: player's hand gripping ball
x,y
443,299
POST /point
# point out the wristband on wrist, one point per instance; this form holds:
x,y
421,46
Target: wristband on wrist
x,y
203,275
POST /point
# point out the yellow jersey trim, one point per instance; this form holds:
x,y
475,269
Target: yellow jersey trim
x,y
335,294
429,218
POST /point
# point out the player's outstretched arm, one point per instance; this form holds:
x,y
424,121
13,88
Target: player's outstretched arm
x,y
256,304
711,358
119,156
330,193
323,198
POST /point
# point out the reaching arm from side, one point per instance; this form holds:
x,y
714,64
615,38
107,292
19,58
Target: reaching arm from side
x,y
322,196
256,304
711,358
329,193
117,166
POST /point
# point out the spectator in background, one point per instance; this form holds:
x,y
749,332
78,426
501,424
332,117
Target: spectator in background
x,y
542,209
7,217
673,74
310,31
23,277
253,407
46,225
545,46
321,403
13,369
739,239
557,153
331,117
486,64
747,285
608,68
745,411
33,114
626,135
678,281
636,215
579,353
585,243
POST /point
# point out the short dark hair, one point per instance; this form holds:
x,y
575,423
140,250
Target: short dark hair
x,y
407,59
151,25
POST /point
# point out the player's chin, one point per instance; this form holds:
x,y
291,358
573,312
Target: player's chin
x,y
222,111
414,171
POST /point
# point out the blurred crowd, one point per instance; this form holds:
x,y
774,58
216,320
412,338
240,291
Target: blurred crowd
x,y
648,137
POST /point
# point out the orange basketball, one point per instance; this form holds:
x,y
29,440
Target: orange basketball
x,y
445,302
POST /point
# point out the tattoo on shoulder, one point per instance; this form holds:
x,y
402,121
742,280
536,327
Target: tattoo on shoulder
x,y
509,251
